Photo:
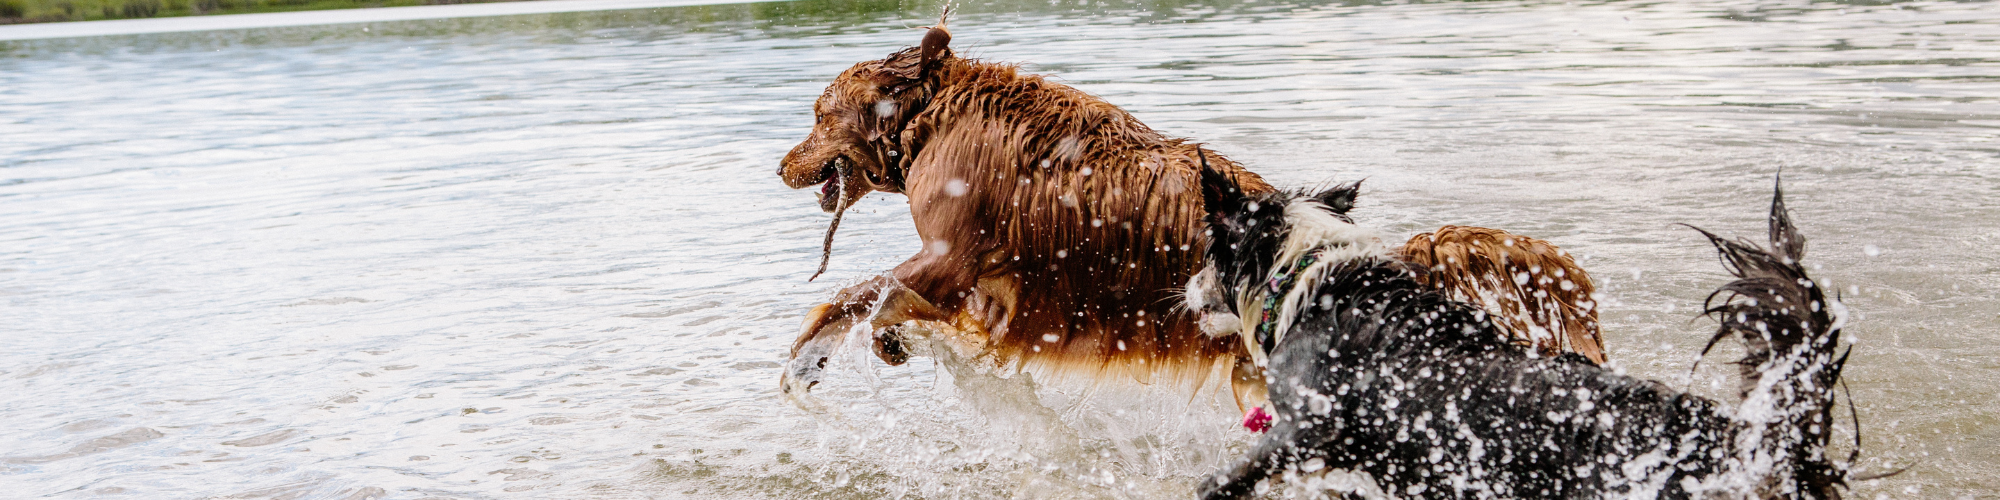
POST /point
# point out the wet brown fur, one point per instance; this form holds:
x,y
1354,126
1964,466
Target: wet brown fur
x,y
1071,218
1525,282
1057,228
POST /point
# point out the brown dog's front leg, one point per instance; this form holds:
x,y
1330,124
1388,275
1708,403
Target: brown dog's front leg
x,y
827,325
899,305
825,331
1246,383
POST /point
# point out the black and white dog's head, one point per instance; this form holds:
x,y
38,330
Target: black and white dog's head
x,y
1254,239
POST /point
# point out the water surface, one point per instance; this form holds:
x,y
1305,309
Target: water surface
x,y
545,256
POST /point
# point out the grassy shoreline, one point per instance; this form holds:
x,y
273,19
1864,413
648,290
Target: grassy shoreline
x,y
44,11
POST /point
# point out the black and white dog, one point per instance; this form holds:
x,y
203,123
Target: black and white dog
x,y
1372,373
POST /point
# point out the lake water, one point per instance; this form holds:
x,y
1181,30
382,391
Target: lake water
x,y
545,256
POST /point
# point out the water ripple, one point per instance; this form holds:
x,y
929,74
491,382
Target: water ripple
x,y
544,256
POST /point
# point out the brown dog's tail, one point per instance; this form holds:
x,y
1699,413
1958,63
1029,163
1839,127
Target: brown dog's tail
x,y
1529,286
1790,334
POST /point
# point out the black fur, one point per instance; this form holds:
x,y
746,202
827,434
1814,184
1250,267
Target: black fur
x,y
1254,226
1382,376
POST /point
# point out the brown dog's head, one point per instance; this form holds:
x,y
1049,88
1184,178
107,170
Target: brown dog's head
x,y
856,144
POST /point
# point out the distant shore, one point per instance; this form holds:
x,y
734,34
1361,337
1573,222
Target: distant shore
x,y
45,11
276,19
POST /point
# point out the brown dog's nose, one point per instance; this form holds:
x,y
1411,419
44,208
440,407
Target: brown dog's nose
x,y
781,170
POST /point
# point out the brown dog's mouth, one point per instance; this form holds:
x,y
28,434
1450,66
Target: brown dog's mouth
x,y
830,192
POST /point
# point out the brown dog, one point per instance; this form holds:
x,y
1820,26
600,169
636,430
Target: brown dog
x,y
1057,229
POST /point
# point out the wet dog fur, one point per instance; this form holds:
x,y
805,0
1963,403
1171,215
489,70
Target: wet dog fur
x,y
1055,226
1057,229
1532,288
1372,372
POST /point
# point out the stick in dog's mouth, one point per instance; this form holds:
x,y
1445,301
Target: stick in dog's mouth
x,y
830,189
839,192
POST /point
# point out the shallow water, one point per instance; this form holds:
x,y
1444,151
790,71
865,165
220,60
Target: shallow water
x,y
545,256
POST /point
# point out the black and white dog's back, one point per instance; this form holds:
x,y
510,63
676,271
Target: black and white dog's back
x,y
1371,372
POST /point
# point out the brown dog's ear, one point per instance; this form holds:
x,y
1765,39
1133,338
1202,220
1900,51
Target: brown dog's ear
x,y
937,39
901,70
907,68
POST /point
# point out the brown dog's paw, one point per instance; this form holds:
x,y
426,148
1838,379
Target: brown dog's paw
x,y
807,366
824,332
889,346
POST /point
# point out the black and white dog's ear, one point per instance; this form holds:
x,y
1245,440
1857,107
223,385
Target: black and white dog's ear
x,y
1219,192
1339,198
1786,242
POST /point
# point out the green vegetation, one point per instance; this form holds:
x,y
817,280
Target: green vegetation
x,y
799,13
803,12
35,11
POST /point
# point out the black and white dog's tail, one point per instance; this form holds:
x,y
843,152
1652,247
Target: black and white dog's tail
x,y
1790,332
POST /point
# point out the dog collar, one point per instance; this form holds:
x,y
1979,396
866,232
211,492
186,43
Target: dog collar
x,y
1267,320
